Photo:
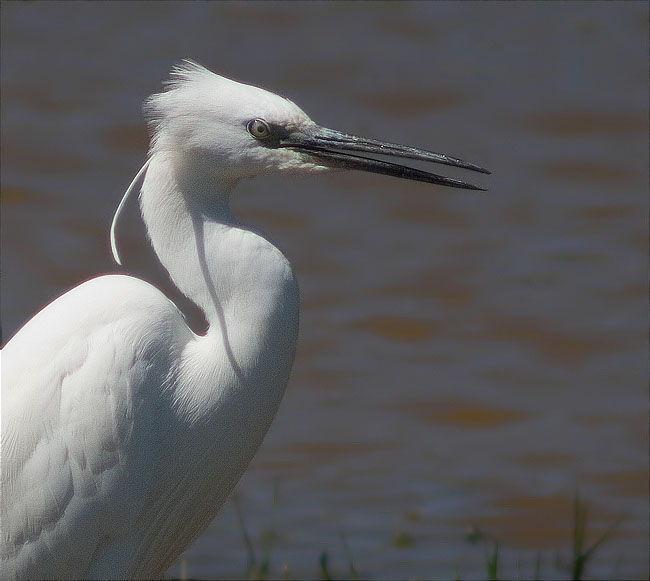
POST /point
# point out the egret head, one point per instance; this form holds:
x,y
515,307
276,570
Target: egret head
x,y
206,119
231,129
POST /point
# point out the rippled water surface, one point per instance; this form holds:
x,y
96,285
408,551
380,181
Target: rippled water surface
x,y
465,359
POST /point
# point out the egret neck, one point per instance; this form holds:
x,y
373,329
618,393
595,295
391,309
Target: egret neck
x,y
243,284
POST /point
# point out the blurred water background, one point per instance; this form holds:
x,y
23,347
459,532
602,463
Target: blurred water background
x,y
465,359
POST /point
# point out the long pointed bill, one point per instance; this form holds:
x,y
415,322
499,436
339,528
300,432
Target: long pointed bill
x,y
331,146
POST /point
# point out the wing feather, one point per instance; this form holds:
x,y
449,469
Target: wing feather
x,y
80,383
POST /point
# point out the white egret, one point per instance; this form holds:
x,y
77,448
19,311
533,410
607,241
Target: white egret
x,y
123,431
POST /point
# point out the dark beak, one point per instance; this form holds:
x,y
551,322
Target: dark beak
x,y
330,147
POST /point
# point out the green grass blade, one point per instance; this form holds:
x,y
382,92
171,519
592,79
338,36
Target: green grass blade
x,y
269,535
493,563
579,522
324,570
580,554
246,537
538,566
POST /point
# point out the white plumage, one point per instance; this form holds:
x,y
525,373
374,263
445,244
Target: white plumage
x,y
123,431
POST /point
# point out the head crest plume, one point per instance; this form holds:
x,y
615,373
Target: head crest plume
x,y
125,197
186,70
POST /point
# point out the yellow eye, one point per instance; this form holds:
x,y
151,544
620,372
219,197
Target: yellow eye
x,y
259,129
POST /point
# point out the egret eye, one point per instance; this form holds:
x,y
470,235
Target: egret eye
x,y
259,129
